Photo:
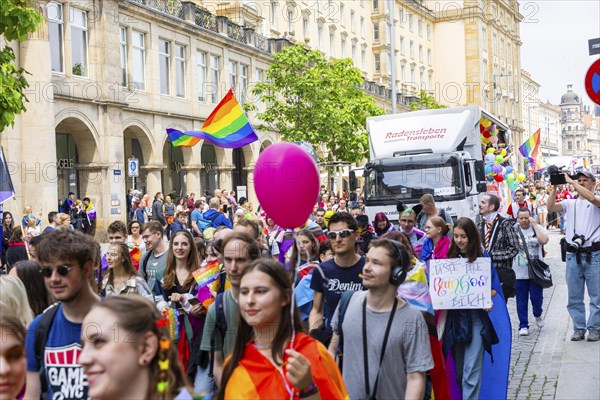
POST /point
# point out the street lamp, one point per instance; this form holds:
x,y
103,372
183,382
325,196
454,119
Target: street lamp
x,y
494,89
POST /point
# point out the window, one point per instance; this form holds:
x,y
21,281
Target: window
x,y
410,22
570,145
403,72
56,34
377,59
354,53
412,74
376,32
401,44
502,48
375,5
401,17
342,16
214,78
320,36
233,75
420,53
430,82
428,31
578,145
79,42
243,82
305,27
362,27
343,42
352,21
421,78
331,45
201,66
138,58
180,71
363,58
164,61
290,19
429,57
420,27
273,13
484,39
411,49
260,77
123,54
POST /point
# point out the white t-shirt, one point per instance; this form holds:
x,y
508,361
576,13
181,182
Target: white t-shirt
x,y
534,247
584,221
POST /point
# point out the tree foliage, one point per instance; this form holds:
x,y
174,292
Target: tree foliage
x,y
17,19
312,99
425,102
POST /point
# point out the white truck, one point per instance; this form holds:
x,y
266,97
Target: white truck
x,y
431,151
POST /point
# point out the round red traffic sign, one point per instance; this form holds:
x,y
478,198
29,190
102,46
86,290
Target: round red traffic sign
x,y
592,82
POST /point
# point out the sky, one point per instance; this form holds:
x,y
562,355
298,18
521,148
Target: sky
x,y
555,37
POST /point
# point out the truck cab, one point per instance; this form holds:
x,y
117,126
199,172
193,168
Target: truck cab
x,y
433,151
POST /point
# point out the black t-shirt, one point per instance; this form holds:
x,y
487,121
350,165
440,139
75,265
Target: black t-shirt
x,y
333,280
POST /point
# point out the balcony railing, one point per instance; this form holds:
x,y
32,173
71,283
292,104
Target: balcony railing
x,y
204,19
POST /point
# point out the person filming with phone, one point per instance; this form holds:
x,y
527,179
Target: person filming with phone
x,y
582,246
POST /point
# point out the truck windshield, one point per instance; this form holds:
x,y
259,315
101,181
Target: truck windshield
x,y
410,182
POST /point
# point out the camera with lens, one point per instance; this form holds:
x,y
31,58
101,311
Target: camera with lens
x,y
556,175
578,241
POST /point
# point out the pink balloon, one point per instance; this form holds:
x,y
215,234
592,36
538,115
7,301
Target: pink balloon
x,y
286,181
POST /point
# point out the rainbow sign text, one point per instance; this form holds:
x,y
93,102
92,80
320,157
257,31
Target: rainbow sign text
x,y
456,283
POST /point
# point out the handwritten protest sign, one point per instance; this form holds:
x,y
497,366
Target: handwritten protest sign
x,y
456,283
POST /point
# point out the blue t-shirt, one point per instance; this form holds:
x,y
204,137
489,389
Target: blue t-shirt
x,y
64,375
335,280
196,215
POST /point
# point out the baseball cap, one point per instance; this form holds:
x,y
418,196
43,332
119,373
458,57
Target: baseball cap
x,y
586,173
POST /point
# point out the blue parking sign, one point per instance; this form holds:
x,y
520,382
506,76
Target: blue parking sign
x,y
133,167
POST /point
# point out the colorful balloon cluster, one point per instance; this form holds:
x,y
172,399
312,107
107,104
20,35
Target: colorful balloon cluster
x,y
495,155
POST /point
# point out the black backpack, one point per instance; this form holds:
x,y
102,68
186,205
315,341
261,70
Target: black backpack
x,y
342,307
41,337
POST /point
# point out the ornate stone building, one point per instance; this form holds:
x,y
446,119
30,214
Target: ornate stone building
x,y
575,141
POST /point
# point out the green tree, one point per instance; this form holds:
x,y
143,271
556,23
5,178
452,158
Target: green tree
x,y
425,102
312,99
17,19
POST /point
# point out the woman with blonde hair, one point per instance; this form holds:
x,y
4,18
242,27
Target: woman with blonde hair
x,y
13,362
141,365
64,221
437,242
14,297
28,214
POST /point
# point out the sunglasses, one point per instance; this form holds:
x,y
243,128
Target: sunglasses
x,y
344,233
62,270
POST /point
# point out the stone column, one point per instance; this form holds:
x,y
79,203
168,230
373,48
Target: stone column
x,y
37,184
93,180
225,177
192,179
153,179
252,198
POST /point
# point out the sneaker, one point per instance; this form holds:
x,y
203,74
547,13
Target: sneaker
x,y
593,336
539,321
578,336
523,332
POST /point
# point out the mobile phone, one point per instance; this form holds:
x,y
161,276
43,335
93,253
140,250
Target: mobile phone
x,y
194,301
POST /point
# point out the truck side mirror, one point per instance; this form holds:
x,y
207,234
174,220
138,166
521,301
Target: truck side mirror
x,y
352,180
481,187
479,171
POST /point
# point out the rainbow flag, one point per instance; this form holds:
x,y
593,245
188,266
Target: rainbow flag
x,y
208,273
227,126
531,146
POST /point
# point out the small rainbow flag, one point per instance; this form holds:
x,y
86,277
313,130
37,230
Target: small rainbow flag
x,y
227,126
531,146
208,273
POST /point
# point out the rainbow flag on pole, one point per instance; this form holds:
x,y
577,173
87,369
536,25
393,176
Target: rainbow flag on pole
x,y
227,126
531,150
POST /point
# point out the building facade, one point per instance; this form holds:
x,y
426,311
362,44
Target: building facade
x,y
574,136
550,130
530,114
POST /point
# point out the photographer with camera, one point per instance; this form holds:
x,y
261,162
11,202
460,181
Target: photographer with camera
x,y
582,247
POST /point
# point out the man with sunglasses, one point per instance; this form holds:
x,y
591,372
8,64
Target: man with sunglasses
x,y
335,276
67,260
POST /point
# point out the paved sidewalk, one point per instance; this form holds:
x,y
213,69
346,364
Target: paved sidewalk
x,y
546,364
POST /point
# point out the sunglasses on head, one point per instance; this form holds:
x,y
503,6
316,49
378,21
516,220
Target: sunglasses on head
x,y
62,270
344,233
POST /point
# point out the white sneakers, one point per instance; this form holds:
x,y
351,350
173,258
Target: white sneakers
x,y
523,332
539,321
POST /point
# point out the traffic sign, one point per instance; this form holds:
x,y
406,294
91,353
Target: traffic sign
x,y
133,167
594,45
592,82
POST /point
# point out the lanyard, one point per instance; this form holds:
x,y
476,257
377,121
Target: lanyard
x,y
366,352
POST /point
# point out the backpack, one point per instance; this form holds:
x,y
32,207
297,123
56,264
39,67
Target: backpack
x,y
206,225
220,326
342,307
41,337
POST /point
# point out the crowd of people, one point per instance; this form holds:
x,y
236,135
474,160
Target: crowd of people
x,y
208,297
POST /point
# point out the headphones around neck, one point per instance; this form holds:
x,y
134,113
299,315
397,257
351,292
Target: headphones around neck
x,y
398,273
